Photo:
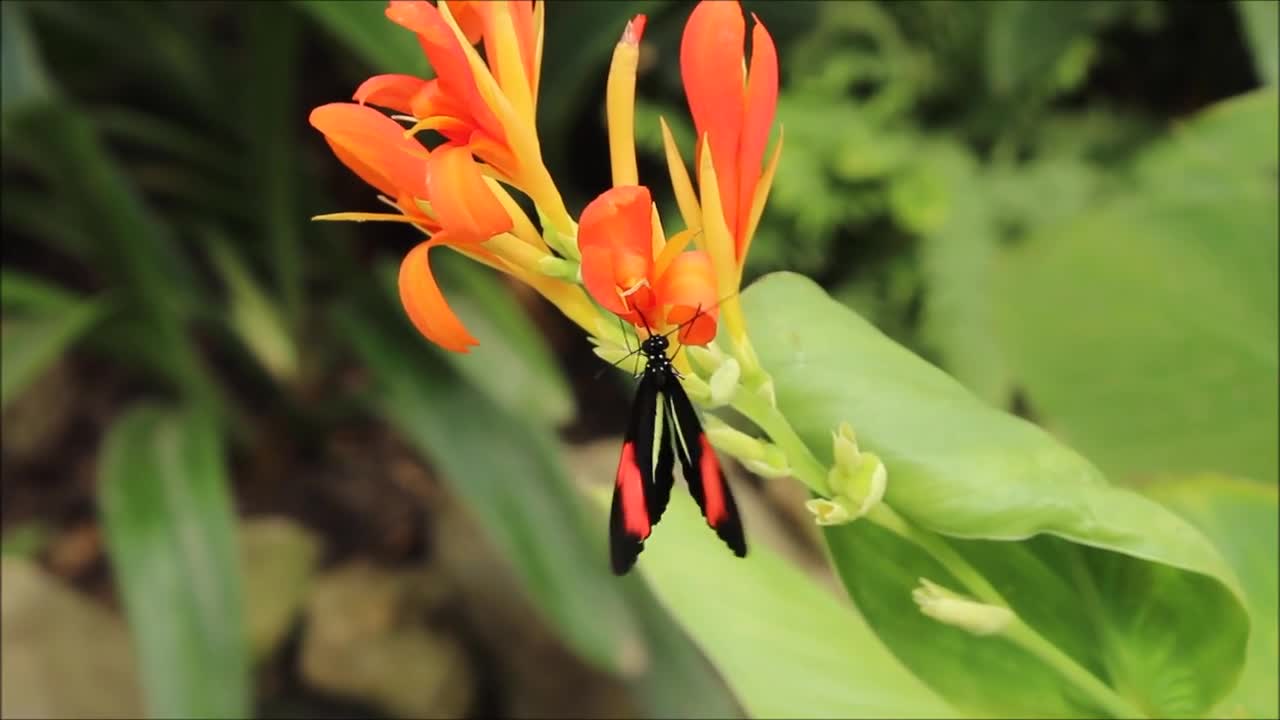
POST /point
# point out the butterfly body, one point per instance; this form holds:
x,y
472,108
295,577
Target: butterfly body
x,y
665,427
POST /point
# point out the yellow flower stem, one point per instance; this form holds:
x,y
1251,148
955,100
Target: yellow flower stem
x,y
620,101
523,228
686,199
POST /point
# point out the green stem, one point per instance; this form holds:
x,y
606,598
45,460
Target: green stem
x,y
1097,691
804,465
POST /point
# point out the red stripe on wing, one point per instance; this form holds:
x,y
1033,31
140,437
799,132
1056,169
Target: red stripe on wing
x,y
630,489
712,484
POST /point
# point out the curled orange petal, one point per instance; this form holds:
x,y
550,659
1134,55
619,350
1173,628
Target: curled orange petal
x,y
711,55
374,147
460,199
688,289
615,237
425,304
395,92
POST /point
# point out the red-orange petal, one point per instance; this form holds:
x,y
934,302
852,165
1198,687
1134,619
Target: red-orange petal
x,y
619,217
762,104
598,278
447,59
374,147
460,198
688,289
395,92
711,55
425,304
468,15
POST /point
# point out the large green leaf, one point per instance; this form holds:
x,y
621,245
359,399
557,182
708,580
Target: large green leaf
x,y
786,646
32,342
507,472
1241,518
1144,331
170,532
958,468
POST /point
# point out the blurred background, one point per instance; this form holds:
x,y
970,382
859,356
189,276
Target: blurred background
x,y
236,481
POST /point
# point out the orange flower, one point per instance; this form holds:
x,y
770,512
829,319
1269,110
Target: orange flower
x,y
441,191
615,236
733,117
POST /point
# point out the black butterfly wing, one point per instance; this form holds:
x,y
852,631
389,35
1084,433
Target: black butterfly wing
x,y
645,475
702,469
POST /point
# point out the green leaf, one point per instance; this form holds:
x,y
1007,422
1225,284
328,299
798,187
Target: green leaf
x,y
362,25
1241,518
786,646
513,364
1145,330
32,342
958,468
170,532
25,82
508,473
1260,19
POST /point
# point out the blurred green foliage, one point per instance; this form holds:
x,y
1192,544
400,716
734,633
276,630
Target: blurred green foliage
x,y
1021,192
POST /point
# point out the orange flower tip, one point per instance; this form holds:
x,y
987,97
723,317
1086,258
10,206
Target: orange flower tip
x,y
635,30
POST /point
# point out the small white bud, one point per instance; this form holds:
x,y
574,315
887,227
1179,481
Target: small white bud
x,y
954,609
706,357
698,390
772,466
724,381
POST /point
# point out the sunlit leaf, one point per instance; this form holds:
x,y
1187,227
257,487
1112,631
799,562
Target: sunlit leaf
x,y
959,468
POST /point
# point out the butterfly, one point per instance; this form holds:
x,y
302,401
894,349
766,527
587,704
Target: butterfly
x,y
664,426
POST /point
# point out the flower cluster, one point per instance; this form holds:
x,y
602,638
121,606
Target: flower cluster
x,y
615,258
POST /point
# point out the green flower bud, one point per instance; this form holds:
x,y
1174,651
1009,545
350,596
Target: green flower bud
x,y
565,245
772,466
863,485
954,609
706,357
724,381
697,389
834,511
844,447
561,269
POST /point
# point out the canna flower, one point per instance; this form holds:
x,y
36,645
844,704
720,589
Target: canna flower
x,y
630,268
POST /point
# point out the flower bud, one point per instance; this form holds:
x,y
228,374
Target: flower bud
x,y
830,512
724,381
863,485
697,389
954,609
560,269
706,357
844,446
772,466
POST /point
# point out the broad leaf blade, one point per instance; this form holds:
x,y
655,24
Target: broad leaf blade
x,y
170,533
959,468
785,646
1240,516
508,473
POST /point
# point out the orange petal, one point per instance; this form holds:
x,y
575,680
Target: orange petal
x,y
762,103
374,147
447,59
598,278
711,67
467,13
688,288
619,217
425,304
460,198
395,92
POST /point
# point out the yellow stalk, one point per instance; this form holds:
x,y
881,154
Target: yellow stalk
x,y
758,200
620,104
366,217
680,183
719,245
515,251
515,84
522,137
659,240
523,227
539,13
